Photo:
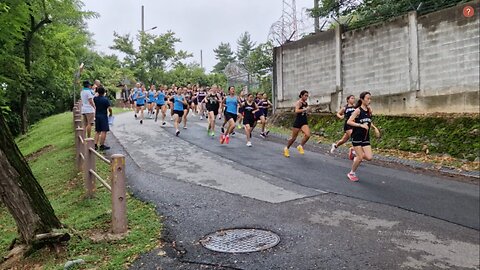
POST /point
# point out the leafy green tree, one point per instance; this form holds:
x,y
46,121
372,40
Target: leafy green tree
x,y
224,55
244,47
154,55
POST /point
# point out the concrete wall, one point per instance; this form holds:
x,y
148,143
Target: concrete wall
x,y
411,65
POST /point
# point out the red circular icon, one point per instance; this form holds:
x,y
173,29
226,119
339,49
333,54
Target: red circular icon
x,y
468,11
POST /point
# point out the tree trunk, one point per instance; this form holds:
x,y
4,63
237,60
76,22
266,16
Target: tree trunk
x,y
21,193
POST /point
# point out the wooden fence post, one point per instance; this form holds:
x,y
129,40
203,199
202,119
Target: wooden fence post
x,y
119,194
79,148
89,165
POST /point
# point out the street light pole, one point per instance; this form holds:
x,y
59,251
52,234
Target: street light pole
x,y
143,19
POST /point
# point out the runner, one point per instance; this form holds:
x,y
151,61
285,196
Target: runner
x,y
179,102
186,107
221,95
136,90
160,99
130,99
249,108
193,100
264,104
151,101
241,109
361,121
345,113
212,102
171,99
102,104
201,105
300,124
125,94
231,111
141,96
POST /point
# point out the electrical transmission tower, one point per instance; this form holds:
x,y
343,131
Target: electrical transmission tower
x,y
289,27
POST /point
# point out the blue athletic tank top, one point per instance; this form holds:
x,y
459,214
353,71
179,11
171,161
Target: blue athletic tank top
x,y
178,103
151,96
160,98
141,98
232,103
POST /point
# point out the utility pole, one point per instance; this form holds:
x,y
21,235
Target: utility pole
x,y
143,19
317,19
201,58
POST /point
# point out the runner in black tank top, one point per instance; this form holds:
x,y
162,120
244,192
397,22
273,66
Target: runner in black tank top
x,y
345,113
212,103
249,109
361,121
300,124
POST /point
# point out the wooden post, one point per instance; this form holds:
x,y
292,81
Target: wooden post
x,y
89,165
119,194
79,148
77,123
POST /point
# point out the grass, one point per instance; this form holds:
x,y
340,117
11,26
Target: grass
x,y
49,147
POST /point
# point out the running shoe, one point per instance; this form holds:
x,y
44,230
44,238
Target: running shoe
x,y
239,126
163,124
262,134
334,146
286,152
135,116
201,117
184,127
300,150
212,133
171,118
104,147
233,133
249,144
352,177
227,139
351,153
222,139
141,122
177,132
266,133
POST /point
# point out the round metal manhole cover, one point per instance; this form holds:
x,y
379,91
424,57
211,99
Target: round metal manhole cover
x,y
240,240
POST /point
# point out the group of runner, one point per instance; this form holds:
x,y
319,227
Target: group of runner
x,y
246,110
358,122
239,111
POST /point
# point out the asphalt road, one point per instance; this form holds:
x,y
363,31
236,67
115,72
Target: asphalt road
x,y
325,221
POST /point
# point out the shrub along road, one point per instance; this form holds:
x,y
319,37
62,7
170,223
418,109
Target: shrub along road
x,y
392,218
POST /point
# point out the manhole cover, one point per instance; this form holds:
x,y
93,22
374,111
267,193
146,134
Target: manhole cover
x,y
240,240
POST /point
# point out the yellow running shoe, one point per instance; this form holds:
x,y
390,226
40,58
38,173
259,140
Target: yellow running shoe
x,y
300,150
286,152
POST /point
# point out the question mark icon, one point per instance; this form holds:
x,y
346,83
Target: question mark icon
x,y
468,11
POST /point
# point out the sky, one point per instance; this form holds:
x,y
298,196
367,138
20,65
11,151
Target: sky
x,y
200,24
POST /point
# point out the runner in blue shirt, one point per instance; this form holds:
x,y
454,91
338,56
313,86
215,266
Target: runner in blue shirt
x,y
160,99
151,101
141,96
230,103
178,102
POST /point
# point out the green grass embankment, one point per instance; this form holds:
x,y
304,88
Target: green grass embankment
x,y
457,136
49,147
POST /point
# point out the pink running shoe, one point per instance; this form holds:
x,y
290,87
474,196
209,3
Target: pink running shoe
x,y
352,177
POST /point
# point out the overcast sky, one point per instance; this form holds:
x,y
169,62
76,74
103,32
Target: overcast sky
x,y
200,24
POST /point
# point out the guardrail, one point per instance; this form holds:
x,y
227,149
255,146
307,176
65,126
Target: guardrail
x,y
85,160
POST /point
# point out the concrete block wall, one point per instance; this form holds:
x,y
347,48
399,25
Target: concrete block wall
x,y
411,65
310,64
375,59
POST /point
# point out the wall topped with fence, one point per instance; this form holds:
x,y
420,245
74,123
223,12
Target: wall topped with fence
x,y
412,64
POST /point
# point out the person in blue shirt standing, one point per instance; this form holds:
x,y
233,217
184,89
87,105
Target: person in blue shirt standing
x,y
102,104
160,99
178,102
141,96
231,103
88,108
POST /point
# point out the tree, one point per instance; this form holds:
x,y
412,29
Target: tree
x,y
224,55
244,46
21,193
154,55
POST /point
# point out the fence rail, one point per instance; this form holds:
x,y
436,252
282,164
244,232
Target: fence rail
x,y
85,160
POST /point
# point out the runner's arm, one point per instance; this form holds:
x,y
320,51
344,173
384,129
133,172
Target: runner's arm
x,y
298,108
341,113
